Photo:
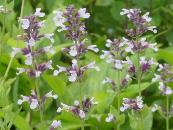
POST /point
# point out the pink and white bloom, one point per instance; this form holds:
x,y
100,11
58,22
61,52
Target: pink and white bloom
x,y
25,23
110,118
59,20
39,13
55,124
83,14
32,100
51,95
93,48
165,90
135,104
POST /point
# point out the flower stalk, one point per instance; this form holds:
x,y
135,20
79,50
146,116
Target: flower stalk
x,y
39,99
139,73
118,95
167,112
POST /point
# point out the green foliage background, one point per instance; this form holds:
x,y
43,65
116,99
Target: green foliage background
x,y
105,22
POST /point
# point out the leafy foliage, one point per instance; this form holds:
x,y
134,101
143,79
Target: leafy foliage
x,y
105,22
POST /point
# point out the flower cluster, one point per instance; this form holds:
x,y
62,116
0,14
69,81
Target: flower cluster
x,y
124,81
31,26
134,104
141,22
79,109
33,100
164,76
115,54
79,49
71,21
75,72
145,65
140,45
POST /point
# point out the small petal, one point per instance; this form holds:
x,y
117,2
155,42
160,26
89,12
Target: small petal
x,y
25,23
59,109
39,13
83,14
153,29
81,114
56,124
72,77
93,48
28,60
73,51
49,94
34,104
20,70
20,101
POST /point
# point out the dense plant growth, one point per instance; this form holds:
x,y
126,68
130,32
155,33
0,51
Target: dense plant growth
x,y
60,70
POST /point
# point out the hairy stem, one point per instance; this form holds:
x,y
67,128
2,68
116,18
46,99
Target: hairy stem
x,y
39,99
142,121
78,82
81,106
167,112
139,74
118,95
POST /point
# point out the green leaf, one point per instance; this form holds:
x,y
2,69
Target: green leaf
x,y
120,118
17,120
133,89
5,87
166,55
57,85
104,2
49,25
141,120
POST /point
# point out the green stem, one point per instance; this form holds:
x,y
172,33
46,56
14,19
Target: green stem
x,y
139,74
167,112
8,68
118,95
39,99
142,121
78,82
81,106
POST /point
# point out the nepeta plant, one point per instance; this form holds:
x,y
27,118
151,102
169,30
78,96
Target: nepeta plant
x,y
127,56
71,22
119,52
164,77
33,52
